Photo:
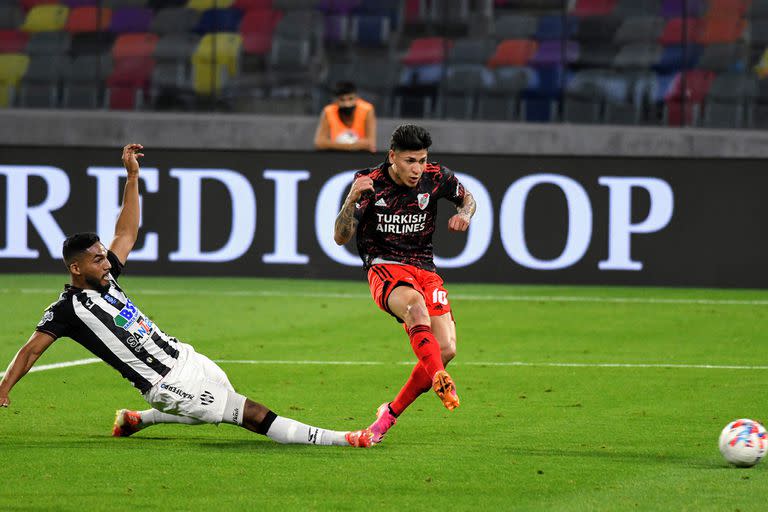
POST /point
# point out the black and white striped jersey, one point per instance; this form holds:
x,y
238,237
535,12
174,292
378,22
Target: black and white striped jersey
x,y
113,329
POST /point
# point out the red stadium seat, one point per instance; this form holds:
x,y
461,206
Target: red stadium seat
x,y
129,79
134,45
727,7
513,52
13,41
256,28
720,29
427,50
697,84
593,8
88,19
247,5
673,31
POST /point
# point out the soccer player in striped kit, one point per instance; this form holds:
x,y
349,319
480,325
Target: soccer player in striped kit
x,y
392,209
181,385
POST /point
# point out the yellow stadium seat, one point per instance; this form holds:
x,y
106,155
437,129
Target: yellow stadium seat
x,y
202,5
12,68
761,68
46,18
215,61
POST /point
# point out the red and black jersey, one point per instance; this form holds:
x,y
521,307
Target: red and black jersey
x,y
396,223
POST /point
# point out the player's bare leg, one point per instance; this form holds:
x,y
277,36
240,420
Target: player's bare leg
x,y
408,305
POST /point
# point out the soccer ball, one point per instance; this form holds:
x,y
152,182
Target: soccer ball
x,y
743,442
347,137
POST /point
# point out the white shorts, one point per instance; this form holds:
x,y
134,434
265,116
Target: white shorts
x,y
195,387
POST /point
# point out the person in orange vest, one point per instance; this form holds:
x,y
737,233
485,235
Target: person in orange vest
x,y
347,124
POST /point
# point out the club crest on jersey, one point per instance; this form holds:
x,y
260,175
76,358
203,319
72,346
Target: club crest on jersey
x,y
47,317
423,200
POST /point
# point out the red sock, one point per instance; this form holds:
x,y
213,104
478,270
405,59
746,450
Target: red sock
x,y
418,383
426,348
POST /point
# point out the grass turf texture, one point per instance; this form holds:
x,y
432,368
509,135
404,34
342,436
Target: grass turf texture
x,y
525,438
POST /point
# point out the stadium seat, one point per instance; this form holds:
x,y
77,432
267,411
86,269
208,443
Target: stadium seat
x,y
723,57
13,41
637,56
678,8
174,20
499,101
597,29
516,26
596,55
12,68
555,27
92,43
370,30
130,46
11,17
720,29
758,10
679,30
426,50
727,8
256,29
513,52
459,88
674,58
39,87
128,83
728,99
216,60
585,8
204,5
629,8
683,105
46,18
450,18
470,51
640,29
218,20
88,19
248,5
49,43
131,19
555,53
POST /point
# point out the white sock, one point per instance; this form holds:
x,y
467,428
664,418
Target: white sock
x,y
153,416
288,431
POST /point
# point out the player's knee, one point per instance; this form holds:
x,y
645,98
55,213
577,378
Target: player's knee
x,y
448,353
417,314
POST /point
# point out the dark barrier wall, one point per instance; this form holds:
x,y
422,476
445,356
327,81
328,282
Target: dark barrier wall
x,y
540,220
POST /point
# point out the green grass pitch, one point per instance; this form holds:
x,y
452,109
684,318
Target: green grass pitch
x,y
558,411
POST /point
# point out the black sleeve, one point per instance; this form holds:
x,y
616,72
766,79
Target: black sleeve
x,y
450,187
117,265
57,318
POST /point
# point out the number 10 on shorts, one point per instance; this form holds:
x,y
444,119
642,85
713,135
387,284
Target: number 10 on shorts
x,y
439,296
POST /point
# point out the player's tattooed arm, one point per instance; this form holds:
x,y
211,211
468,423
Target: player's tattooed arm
x,y
346,223
468,206
464,213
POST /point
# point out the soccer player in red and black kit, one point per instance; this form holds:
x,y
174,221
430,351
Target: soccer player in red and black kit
x,y
393,209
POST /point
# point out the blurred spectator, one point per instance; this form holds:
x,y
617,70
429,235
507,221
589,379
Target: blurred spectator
x,y
347,124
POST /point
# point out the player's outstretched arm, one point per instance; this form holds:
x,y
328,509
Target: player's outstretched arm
x,y
22,362
127,227
346,223
464,213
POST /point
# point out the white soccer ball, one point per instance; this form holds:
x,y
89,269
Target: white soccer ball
x,y
743,442
348,137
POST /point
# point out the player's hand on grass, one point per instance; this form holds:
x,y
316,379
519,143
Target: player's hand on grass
x,y
459,222
130,158
359,187
5,401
